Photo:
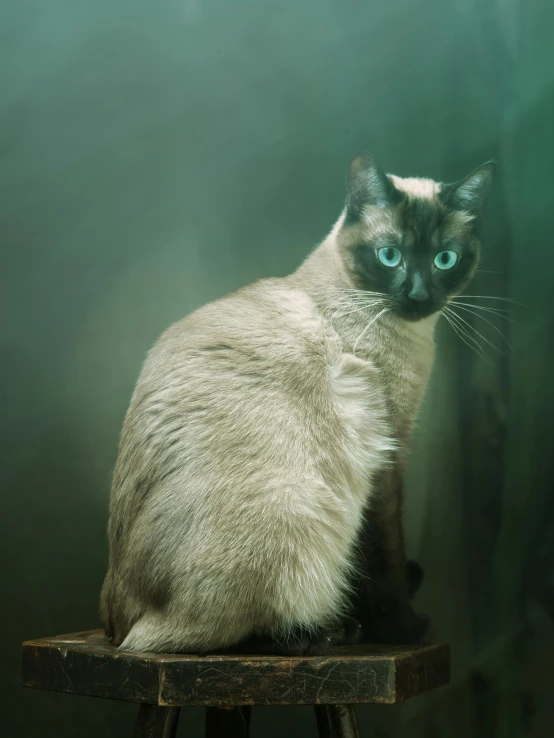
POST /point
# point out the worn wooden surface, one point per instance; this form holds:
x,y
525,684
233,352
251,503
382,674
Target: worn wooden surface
x,y
86,663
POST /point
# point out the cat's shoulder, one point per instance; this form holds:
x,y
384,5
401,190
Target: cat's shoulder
x,y
269,317
268,306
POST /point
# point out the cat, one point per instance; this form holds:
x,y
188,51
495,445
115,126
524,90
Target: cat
x,y
256,498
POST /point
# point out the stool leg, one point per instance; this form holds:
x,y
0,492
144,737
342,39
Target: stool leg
x,y
336,721
228,722
156,722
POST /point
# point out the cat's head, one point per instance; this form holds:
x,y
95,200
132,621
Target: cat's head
x,y
413,240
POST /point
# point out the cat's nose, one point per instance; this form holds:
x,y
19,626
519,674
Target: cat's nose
x,y
418,292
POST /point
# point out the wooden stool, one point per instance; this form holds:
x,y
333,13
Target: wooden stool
x,y
86,663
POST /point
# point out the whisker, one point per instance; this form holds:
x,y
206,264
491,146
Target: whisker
x,y
352,308
362,292
456,331
356,303
340,313
461,327
357,295
359,300
351,294
480,334
491,297
361,308
368,326
465,327
487,321
478,350
501,313
465,336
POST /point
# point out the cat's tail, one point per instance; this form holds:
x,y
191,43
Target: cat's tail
x,y
158,633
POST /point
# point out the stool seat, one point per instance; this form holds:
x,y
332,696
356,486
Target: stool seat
x,y
86,663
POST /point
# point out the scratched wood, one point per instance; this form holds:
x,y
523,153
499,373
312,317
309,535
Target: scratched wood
x,y
86,663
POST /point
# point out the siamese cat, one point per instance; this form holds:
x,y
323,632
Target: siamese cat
x,y
256,499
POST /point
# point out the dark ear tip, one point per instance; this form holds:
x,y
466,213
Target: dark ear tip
x,y
362,159
359,163
491,165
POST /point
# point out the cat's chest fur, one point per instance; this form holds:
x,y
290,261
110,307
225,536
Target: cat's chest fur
x,y
390,369
360,405
405,364
376,385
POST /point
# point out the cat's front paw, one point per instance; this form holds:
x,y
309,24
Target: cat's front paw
x,y
347,633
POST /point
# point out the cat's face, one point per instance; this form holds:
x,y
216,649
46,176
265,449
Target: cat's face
x,y
412,240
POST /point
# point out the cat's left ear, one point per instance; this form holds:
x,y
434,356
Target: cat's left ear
x,y
471,193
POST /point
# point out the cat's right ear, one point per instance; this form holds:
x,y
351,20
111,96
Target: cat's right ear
x,y
471,193
367,184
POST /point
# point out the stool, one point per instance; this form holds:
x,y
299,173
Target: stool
x,y
228,685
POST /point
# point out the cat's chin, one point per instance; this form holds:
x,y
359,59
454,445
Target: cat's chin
x,y
412,315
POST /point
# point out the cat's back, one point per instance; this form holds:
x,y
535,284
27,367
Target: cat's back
x,y
238,373
258,334
260,368
246,411
252,386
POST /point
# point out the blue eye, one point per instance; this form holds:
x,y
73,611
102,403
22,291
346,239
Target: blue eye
x,y
389,256
446,259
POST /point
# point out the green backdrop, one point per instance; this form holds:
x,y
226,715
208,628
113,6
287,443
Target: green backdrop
x,y
157,155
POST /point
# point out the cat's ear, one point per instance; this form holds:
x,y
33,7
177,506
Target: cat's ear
x,y
471,193
367,184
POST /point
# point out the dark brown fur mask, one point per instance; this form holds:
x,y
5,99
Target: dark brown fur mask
x,y
414,240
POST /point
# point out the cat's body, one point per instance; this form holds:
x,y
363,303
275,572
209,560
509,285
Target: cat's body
x,y
255,441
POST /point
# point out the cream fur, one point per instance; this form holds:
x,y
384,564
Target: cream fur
x,y
416,186
247,458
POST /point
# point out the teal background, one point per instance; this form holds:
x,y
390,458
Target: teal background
x,y
157,155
